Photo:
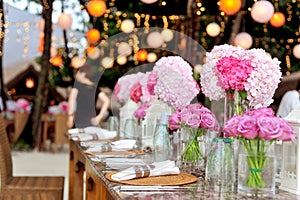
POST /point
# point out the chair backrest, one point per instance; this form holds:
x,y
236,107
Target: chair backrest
x,y
20,121
5,155
61,128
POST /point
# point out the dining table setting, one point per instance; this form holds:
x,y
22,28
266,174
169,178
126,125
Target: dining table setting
x,y
116,168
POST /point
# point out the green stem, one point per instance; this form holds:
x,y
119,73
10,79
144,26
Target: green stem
x,y
256,159
192,151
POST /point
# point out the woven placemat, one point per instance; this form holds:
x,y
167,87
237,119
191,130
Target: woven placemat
x,y
167,180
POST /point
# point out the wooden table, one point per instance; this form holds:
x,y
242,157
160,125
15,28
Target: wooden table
x,y
98,187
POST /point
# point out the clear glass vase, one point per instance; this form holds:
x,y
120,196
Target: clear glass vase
x,y
193,151
256,168
235,103
220,173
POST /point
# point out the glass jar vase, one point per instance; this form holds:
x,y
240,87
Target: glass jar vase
x,y
256,168
193,151
220,172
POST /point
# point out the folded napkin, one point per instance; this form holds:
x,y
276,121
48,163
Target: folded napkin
x,y
91,133
155,169
120,145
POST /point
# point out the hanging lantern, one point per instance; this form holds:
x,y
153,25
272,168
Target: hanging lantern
x,y
127,26
149,1
93,35
29,82
93,52
65,21
124,49
213,29
121,60
107,62
56,61
262,11
296,51
278,19
230,7
142,55
155,39
244,40
167,35
77,62
96,8
152,57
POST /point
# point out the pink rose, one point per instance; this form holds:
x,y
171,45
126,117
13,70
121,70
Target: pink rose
x,y
288,133
248,127
141,111
195,108
261,112
230,127
136,92
192,121
209,121
174,120
269,128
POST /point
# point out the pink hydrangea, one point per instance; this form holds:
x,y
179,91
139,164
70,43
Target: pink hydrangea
x,y
233,73
233,68
175,84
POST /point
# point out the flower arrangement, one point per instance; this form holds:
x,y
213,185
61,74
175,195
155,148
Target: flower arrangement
x,y
63,107
255,128
194,118
22,105
172,82
165,83
123,86
253,73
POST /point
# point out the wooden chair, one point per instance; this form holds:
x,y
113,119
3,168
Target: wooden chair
x,y
24,187
20,120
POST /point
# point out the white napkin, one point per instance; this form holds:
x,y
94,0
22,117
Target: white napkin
x,y
91,133
119,145
155,169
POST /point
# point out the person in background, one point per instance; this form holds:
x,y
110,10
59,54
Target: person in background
x,y
289,101
83,98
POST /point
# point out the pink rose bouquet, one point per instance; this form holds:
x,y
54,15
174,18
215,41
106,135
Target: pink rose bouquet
x,y
255,128
194,118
